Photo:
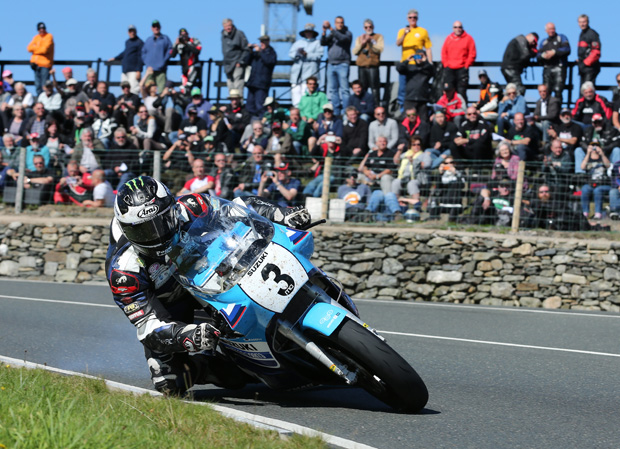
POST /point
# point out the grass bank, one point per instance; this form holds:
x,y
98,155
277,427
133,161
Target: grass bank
x,y
39,409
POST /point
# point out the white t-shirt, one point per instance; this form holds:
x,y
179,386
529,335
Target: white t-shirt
x,y
105,192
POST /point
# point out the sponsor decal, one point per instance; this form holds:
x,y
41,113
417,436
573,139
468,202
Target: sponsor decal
x,y
233,314
138,314
123,283
153,268
295,236
148,211
131,308
258,352
121,280
160,274
258,263
194,204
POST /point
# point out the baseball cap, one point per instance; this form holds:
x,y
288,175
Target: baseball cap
x,y
214,110
328,106
41,25
234,93
276,125
132,27
156,23
7,73
79,106
208,139
596,142
196,91
264,39
482,72
71,82
48,83
505,183
67,70
565,111
596,117
192,110
125,84
33,136
281,166
183,30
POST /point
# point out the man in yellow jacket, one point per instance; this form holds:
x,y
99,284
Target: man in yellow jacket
x,y
42,60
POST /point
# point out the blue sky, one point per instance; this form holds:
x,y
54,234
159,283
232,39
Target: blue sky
x,y
87,30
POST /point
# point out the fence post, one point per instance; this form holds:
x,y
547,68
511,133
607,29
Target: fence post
x,y
157,164
327,171
19,193
516,213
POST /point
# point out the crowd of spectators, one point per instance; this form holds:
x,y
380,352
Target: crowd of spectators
x,y
427,148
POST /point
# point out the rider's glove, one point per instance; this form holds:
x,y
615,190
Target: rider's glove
x,y
201,337
296,217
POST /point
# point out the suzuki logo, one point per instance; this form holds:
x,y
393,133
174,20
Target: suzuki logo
x,y
148,211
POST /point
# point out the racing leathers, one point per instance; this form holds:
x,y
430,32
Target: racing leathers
x,y
554,71
146,290
589,55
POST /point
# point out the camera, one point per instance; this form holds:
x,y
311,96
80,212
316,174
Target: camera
x,y
269,173
330,138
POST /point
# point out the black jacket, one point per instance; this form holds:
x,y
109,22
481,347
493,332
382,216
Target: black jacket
x,y
518,54
418,77
355,136
262,63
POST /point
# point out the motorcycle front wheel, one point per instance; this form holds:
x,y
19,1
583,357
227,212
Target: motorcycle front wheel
x,y
381,371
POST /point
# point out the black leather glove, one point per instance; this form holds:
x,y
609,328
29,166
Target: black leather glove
x,y
201,337
296,217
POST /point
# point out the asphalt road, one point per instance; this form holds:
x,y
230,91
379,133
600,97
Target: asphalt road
x,y
497,377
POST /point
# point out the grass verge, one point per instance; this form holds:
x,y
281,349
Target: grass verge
x,y
39,409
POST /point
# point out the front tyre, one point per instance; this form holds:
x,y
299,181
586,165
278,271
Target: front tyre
x,y
381,371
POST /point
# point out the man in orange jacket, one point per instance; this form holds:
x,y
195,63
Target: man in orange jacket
x,y
457,55
42,60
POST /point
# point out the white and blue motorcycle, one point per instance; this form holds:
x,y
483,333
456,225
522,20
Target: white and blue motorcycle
x,y
283,321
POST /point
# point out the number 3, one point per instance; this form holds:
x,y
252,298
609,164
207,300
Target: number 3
x,y
271,268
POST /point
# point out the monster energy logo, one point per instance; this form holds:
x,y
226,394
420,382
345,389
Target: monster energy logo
x,y
134,181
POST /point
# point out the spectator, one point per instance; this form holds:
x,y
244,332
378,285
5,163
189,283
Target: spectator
x,y
223,178
338,44
218,129
126,106
614,193
558,166
71,187
517,57
237,118
368,48
588,51
87,151
178,159
17,125
553,53
328,145
273,113
38,177
457,55
7,81
235,51
607,136
362,100
566,131
354,134
595,164
35,149
131,60
250,173
524,138
452,103
412,173
448,193
193,125
378,167
104,125
262,58
156,52
200,183
103,194
52,101
121,161
42,60
412,38
616,104
417,78
258,137
494,206
306,54
513,103
89,87
547,111
280,143
311,103
489,97
188,49
202,106
506,165
354,194
382,126
588,104
412,125
104,96
56,143
4,168
473,141
36,123
9,151
283,189
71,94
326,122
546,210
442,134
21,96
299,131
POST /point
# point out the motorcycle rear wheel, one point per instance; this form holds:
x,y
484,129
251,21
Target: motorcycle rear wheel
x,y
381,371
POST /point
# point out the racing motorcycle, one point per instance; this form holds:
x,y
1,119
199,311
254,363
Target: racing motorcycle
x,y
283,321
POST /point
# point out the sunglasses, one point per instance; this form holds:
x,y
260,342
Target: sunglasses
x,y
412,17
458,27
543,191
416,145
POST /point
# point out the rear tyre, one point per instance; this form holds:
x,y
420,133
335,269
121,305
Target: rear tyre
x,y
381,371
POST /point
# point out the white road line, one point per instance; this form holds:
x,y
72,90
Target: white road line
x,y
283,427
496,343
481,308
59,301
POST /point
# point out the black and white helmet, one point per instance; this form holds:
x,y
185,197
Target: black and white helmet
x,y
147,214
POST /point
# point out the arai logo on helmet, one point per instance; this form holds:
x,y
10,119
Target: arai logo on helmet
x,y
148,211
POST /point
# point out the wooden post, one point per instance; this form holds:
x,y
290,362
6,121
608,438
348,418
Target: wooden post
x,y
516,212
19,193
327,170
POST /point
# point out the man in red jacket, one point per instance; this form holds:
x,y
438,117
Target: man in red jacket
x,y
457,55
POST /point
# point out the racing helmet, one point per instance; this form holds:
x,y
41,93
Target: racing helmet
x,y
148,215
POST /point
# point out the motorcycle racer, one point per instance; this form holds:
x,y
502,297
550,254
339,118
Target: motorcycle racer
x,y
147,223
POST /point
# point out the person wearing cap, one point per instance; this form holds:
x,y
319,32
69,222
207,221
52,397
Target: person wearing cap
x,y
126,106
325,123
311,102
328,145
595,164
104,125
603,132
368,48
237,118
188,48
452,103
338,43
494,207
588,51
566,131
156,52
354,194
517,57
273,113
8,81
279,144
547,110
283,189
306,54
42,60
234,52
202,106
489,97
34,149
588,104
192,125
131,60
553,53
262,58
458,53
52,101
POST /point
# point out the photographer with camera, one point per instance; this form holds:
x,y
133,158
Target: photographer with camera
x,y
126,106
188,48
283,189
595,164
517,57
